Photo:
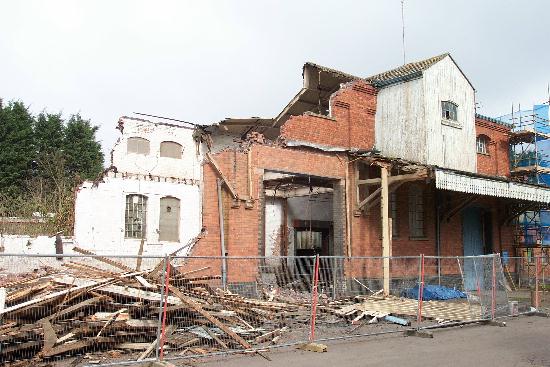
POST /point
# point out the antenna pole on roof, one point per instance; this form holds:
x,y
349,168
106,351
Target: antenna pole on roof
x,y
403,27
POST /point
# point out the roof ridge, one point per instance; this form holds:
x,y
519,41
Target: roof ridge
x,y
405,72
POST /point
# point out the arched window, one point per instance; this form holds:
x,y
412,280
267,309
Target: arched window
x,y
170,149
416,211
135,216
481,144
138,145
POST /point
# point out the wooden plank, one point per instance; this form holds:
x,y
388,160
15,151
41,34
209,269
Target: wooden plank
x,y
215,337
222,176
386,235
144,282
73,308
198,308
48,297
122,291
81,344
116,264
154,344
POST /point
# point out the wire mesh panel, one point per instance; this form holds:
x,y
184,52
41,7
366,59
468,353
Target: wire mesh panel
x,y
102,309
230,304
84,309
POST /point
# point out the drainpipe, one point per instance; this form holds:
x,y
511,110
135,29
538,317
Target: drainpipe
x,y
438,233
222,235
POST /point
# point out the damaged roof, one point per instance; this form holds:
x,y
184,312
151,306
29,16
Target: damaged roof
x,y
319,83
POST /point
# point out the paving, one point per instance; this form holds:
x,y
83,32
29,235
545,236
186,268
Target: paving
x,y
523,342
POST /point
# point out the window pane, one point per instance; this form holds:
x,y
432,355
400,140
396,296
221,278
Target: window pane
x,y
170,149
416,211
135,216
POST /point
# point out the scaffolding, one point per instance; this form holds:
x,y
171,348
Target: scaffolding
x,y
530,163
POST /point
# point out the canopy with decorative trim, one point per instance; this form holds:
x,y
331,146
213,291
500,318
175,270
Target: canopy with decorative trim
x,y
455,181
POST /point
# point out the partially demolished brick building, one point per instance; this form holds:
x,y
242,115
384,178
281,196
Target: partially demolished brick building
x,y
395,164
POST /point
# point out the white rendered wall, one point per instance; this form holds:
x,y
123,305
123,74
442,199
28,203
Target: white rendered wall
x,y
99,221
100,210
153,163
273,225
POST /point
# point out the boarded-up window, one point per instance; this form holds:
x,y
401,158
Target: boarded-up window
x,y
448,110
138,146
416,211
169,219
135,216
170,149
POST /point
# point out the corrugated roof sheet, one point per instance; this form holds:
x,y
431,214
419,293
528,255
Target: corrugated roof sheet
x,y
406,72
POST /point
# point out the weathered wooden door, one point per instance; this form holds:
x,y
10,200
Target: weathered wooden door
x,y
169,219
472,240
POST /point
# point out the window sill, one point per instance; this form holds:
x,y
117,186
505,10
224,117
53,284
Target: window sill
x,y
419,239
451,123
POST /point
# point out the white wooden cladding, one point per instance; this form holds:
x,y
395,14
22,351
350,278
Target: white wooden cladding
x,y
453,181
409,122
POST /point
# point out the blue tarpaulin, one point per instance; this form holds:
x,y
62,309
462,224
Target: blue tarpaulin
x,y
433,292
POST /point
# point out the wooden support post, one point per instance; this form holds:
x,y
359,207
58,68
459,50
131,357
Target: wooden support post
x,y
384,213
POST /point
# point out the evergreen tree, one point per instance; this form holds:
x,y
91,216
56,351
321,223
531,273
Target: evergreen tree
x,y
82,151
16,147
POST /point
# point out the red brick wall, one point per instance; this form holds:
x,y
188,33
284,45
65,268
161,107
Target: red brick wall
x,y
351,124
497,160
242,225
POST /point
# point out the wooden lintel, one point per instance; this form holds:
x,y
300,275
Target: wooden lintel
x,y
397,178
370,181
222,176
408,177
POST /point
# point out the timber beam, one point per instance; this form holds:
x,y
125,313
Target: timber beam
x,y
222,176
458,208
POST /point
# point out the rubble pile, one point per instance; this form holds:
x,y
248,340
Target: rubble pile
x,y
82,308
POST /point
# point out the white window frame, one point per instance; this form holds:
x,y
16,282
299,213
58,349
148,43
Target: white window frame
x,y
135,216
481,144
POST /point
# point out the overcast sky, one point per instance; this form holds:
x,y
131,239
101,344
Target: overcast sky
x,y
202,61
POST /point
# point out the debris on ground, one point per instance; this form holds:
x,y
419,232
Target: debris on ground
x,y
81,309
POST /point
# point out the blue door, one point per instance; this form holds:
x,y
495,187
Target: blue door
x,y
472,240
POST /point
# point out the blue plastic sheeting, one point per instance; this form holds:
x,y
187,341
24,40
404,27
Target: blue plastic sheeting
x,y
433,292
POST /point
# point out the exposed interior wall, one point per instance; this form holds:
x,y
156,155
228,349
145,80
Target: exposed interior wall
x,y
274,220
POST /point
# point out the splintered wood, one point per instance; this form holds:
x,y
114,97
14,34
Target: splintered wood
x,y
82,308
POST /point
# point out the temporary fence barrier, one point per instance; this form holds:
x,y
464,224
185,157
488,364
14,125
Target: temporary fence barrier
x,y
127,309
